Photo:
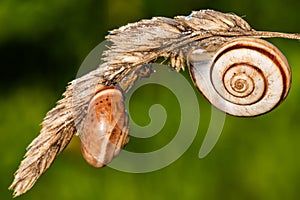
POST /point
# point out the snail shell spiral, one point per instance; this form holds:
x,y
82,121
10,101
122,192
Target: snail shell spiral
x,y
244,77
105,129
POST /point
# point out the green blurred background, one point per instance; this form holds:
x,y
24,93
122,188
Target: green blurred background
x,y
42,44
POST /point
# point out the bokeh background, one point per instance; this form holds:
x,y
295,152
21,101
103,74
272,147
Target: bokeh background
x,y
42,44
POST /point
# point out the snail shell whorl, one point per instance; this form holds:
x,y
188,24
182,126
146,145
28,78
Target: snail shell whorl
x,y
245,77
105,129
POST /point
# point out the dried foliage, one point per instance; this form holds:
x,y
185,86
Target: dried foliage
x,y
133,47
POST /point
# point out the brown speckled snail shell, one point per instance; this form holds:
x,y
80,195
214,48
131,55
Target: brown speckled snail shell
x,y
105,129
244,77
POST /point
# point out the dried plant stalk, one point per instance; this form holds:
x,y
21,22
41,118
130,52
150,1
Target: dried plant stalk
x,y
133,46
58,128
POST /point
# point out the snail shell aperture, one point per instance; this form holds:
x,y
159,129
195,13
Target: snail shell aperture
x,y
244,77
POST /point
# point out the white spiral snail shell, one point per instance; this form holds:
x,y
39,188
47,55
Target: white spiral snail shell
x,y
105,128
244,77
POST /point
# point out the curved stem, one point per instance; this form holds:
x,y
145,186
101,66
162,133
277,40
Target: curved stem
x,y
259,34
269,34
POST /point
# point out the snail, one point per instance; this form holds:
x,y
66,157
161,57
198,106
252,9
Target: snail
x,y
244,77
105,128
236,71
